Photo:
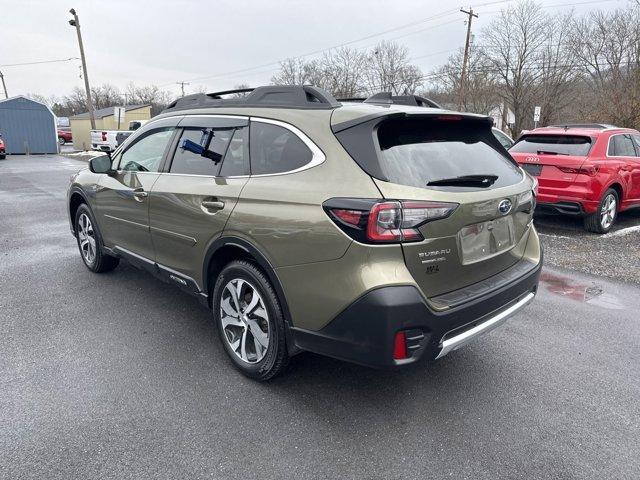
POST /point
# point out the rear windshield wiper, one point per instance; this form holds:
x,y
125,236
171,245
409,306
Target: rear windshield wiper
x,y
466,181
547,152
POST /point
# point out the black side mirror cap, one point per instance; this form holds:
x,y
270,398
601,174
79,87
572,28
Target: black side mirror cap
x,y
101,164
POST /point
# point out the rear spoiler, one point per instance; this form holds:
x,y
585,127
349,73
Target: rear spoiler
x,y
443,115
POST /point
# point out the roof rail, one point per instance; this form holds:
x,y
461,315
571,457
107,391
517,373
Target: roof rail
x,y
352,99
600,126
276,96
386,98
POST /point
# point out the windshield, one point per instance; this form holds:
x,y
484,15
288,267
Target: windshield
x,y
417,152
575,145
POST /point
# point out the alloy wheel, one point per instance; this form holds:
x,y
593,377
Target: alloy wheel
x,y
87,239
245,321
608,211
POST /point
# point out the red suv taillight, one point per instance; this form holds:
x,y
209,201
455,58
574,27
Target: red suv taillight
x,y
104,136
379,221
590,170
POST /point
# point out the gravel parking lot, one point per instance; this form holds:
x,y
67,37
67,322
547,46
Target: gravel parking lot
x,y
613,255
122,376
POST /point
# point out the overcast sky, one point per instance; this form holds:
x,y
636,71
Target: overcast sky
x,y
162,42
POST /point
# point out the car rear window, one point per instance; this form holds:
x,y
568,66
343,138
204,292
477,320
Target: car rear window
x,y
576,145
415,152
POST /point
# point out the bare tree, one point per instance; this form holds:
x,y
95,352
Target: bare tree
x,y
148,95
481,86
558,75
295,71
607,45
389,70
106,95
513,42
343,72
349,72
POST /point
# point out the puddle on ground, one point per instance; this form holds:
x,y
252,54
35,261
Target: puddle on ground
x,y
593,294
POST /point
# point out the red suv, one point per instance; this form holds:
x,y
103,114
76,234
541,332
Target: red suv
x,y
588,170
64,136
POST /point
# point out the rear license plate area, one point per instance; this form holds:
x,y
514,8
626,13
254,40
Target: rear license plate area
x,y
486,239
532,169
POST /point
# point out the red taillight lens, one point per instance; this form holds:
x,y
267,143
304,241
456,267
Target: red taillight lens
x,y
386,221
400,346
351,217
398,221
590,170
104,136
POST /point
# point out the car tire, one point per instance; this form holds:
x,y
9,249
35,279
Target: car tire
x,y
252,330
604,218
61,140
90,243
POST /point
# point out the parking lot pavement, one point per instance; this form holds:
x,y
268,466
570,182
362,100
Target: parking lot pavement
x,y
613,255
122,376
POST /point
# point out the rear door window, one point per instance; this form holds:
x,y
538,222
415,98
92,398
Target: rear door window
x,y
416,152
213,142
621,146
575,145
275,149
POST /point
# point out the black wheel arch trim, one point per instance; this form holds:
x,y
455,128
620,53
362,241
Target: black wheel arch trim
x,y
73,190
266,266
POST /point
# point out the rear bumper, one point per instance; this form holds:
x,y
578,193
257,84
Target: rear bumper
x,y
564,200
102,148
564,208
364,332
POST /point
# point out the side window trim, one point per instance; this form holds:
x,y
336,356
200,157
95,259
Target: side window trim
x,y
173,145
317,156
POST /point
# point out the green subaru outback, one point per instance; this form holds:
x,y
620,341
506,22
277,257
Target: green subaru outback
x,y
377,232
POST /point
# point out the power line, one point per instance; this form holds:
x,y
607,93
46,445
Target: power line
x,y
443,14
315,52
39,62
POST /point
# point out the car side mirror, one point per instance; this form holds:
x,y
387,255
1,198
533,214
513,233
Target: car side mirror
x,y
101,164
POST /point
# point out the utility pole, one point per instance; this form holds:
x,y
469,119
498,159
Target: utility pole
x,y
4,86
182,84
465,58
75,22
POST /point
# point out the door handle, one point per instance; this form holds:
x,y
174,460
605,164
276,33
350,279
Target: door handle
x,y
140,194
212,204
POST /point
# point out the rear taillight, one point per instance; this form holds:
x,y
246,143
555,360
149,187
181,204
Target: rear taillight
x,y
373,221
104,136
590,170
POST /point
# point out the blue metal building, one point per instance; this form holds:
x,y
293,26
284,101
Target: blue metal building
x,y
27,126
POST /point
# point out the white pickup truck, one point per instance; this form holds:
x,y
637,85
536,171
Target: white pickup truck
x,y
108,140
